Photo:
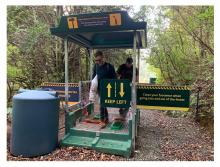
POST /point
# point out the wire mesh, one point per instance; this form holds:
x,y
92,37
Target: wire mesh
x,y
84,92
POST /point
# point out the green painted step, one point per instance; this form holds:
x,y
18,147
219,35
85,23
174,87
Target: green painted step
x,y
78,138
117,144
77,141
114,147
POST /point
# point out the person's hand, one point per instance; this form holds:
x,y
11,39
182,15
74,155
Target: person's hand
x,y
118,76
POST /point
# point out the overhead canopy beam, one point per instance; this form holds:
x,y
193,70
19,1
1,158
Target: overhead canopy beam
x,y
80,40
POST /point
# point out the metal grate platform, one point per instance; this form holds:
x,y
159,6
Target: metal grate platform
x,y
113,113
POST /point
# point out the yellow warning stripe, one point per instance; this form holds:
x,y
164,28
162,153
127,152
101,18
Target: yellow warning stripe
x,y
69,102
162,108
144,86
72,103
60,84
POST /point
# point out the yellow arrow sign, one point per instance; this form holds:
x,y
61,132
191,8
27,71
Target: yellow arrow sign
x,y
109,89
122,90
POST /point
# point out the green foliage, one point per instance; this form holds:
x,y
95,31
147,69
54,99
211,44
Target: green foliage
x,y
180,42
157,72
184,51
35,56
12,50
13,69
33,36
13,72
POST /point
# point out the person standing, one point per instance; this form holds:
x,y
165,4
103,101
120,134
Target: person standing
x,y
125,71
103,70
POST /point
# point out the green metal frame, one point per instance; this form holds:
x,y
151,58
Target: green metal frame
x,y
119,144
128,34
113,143
72,117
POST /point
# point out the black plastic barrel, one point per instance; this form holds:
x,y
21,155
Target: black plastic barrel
x,y
35,121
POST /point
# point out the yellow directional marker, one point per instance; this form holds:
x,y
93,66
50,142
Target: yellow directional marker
x,y
109,89
115,19
122,90
72,22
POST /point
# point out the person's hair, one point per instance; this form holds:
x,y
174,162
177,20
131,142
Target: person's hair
x,y
129,60
99,53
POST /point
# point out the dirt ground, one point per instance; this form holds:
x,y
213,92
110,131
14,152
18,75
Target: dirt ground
x,y
160,138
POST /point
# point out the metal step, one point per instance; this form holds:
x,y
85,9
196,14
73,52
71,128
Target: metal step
x,y
114,147
118,144
113,139
79,141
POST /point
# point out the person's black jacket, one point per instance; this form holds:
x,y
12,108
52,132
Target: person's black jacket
x,y
125,72
105,71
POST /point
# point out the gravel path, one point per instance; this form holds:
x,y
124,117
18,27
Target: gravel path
x,y
165,138
160,138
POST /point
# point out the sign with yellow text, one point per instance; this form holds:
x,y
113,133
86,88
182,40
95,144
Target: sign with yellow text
x,y
155,97
73,90
115,93
91,21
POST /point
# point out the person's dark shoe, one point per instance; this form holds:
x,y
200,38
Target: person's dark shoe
x,y
106,121
121,111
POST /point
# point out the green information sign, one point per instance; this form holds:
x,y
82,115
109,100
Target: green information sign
x,y
94,20
115,93
163,97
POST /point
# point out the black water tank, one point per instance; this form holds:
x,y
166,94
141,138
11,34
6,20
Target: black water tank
x,y
35,121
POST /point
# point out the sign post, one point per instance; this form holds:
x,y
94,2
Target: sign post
x,y
115,93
